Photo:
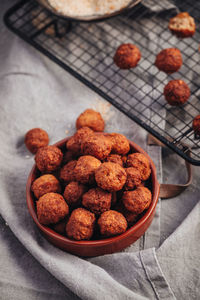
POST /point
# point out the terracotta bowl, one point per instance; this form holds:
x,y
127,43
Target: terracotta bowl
x,y
103,246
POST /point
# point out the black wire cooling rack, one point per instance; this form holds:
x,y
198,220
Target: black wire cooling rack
x,y
86,51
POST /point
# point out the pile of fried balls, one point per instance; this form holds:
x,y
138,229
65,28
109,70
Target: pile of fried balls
x,y
96,187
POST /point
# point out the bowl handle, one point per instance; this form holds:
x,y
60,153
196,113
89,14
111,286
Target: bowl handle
x,y
172,190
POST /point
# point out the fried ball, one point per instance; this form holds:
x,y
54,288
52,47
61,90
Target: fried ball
x,y
48,159
138,200
92,119
169,60
182,25
130,217
51,208
176,92
80,225
68,156
110,176
35,139
115,158
133,179
112,223
196,124
61,226
74,143
67,172
96,145
45,184
120,144
127,56
85,169
73,193
139,161
97,200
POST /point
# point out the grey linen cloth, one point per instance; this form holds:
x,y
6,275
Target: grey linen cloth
x,y
163,264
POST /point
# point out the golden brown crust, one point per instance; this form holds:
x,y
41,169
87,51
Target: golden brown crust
x,y
67,172
85,169
35,139
133,179
139,161
51,208
48,159
92,119
74,143
138,200
196,124
45,184
169,60
110,176
80,225
176,92
97,200
96,145
112,223
182,25
127,56
120,144
73,193
115,158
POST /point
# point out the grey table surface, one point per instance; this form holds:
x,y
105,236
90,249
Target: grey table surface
x,y
163,264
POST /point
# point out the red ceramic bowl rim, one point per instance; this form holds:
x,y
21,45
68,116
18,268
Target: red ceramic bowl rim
x,y
48,231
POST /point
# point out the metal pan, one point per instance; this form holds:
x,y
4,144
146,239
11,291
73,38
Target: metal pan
x,y
91,18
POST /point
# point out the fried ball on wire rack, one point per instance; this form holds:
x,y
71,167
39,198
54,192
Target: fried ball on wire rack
x,y
182,25
176,92
127,56
169,60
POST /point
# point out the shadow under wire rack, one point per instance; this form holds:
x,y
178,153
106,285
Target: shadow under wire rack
x,y
86,51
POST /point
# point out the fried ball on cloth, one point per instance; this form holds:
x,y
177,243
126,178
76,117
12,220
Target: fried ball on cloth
x,y
169,60
138,200
73,193
176,92
92,119
127,56
120,144
45,184
110,176
51,208
85,169
196,124
112,223
35,139
74,143
133,179
80,225
97,200
139,161
96,145
182,25
67,172
115,158
48,159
